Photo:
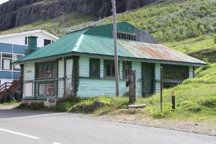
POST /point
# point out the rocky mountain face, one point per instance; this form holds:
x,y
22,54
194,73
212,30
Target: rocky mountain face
x,y
20,12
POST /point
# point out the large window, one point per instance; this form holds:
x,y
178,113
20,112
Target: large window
x,y
47,70
94,68
126,67
46,74
109,68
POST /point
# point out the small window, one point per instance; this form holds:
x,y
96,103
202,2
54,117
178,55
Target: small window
x,y
6,64
127,36
109,68
94,67
46,42
126,67
26,40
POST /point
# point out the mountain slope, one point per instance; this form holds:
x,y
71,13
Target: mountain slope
x,y
21,12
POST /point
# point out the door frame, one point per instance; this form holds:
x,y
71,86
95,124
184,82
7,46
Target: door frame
x,y
144,65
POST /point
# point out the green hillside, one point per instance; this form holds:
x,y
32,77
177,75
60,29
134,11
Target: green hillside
x,y
174,19
54,25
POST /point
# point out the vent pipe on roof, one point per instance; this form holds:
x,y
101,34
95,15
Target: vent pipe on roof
x,y
32,45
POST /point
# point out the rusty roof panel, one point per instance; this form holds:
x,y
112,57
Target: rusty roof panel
x,y
156,51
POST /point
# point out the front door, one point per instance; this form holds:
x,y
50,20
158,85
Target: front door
x,y
147,79
68,81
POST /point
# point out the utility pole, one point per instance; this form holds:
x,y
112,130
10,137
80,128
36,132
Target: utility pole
x,y
115,46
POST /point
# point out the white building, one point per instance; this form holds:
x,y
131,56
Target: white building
x,y
13,46
43,39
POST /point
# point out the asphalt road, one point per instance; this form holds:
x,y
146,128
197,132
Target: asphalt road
x,y
35,127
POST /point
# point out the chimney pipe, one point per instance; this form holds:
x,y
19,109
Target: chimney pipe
x,y
32,45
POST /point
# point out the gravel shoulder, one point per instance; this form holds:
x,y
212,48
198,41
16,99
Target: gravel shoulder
x,y
186,126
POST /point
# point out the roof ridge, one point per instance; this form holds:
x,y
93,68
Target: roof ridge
x,y
77,44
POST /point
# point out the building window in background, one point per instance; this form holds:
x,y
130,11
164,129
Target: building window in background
x,y
46,42
6,61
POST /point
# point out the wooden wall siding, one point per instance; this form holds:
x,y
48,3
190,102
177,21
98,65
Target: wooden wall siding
x,y
61,68
157,78
191,72
101,68
29,72
98,87
60,88
93,87
137,66
84,66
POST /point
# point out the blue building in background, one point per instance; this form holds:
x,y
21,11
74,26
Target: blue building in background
x,y
9,53
13,46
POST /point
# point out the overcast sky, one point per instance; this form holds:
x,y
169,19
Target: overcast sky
x,y
2,1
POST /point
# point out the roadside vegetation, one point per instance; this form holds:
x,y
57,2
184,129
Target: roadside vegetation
x,y
10,103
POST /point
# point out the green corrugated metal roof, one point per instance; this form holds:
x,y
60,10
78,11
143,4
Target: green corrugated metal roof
x,y
87,41
107,30
100,45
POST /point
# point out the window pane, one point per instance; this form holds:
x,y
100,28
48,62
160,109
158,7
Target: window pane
x,y
126,36
28,89
6,64
126,67
94,68
46,42
113,70
47,70
108,70
46,90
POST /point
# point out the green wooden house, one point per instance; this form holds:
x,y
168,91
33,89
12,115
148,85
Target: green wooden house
x,y
82,64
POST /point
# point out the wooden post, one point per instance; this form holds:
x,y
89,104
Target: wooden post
x,y
132,86
115,47
21,79
161,89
